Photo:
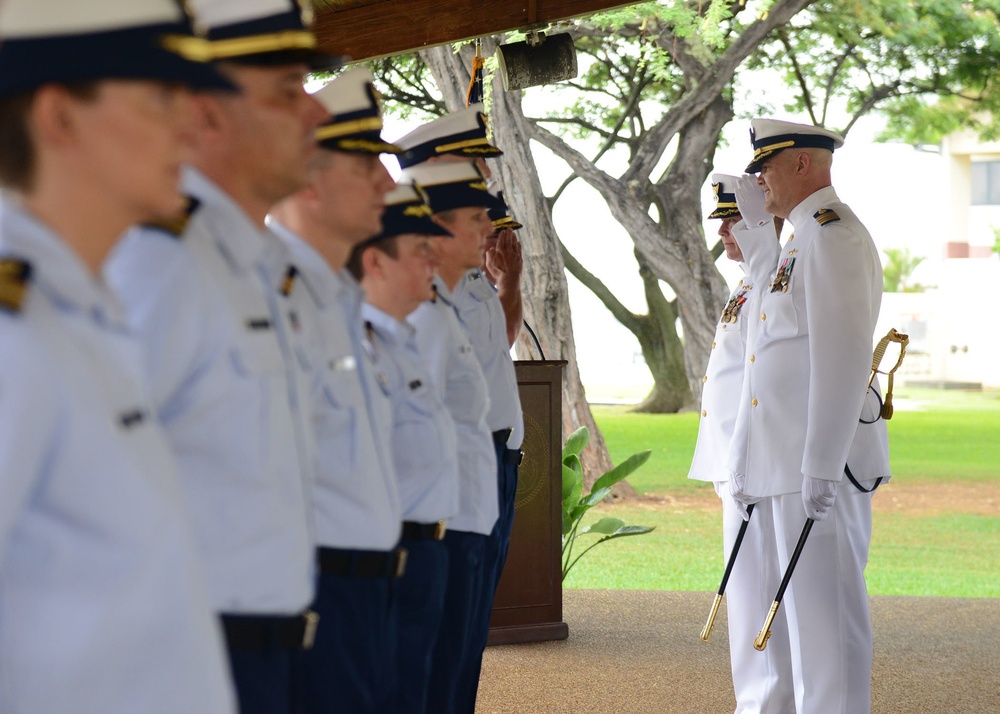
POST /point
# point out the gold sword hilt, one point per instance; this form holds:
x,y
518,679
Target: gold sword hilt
x,y
902,340
765,634
707,631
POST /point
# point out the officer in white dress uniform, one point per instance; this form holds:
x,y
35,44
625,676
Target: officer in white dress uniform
x,y
219,345
458,137
103,605
755,684
356,504
396,271
806,416
457,194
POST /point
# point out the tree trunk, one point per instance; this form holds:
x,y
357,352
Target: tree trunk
x,y
543,283
662,349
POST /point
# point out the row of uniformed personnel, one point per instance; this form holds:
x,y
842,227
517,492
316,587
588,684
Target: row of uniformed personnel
x,y
262,456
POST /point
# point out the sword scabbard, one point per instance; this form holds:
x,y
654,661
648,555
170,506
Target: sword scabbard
x,y
706,633
765,634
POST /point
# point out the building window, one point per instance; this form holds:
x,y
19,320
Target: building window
x,y
986,183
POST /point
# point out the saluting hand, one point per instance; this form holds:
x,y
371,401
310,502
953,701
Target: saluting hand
x,y
750,201
503,261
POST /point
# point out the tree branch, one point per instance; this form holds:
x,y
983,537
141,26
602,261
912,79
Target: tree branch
x,y
597,286
799,76
715,79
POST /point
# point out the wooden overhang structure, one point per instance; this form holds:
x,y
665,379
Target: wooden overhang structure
x,y
365,29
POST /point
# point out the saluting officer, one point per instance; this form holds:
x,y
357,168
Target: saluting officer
x,y
799,426
459,137
753,243
458,196
103,605
355,503
219,344
396,271
502,257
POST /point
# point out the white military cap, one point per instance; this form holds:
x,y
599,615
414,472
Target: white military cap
x,y
262,32
724,187
69,41
450,185
769,136
461,133
355,122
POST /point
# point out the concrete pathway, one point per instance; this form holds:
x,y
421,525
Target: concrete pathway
x,y
637,652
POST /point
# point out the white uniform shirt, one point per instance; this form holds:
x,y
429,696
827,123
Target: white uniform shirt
x,y
424,443
103,606
481,314
723,380
355,499
455,370
216,339
805,386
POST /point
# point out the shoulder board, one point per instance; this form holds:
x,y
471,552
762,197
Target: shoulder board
x,y
175,226
826,215
14,277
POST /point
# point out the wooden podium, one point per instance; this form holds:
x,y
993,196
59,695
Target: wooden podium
x,y
528,603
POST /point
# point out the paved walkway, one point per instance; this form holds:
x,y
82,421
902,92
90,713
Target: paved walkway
x,y
637,652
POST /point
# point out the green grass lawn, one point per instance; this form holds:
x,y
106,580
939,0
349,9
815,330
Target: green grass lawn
x,y
952,439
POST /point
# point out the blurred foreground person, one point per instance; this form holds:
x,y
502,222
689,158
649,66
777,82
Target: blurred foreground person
x,y
219,346
103,607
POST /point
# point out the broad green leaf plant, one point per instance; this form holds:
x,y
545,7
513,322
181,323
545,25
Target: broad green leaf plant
x,y
575,503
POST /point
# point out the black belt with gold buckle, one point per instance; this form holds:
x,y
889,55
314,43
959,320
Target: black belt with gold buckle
x,y
271,632
362,563
424,531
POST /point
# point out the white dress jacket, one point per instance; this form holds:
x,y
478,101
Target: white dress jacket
x,y
723,380
809,358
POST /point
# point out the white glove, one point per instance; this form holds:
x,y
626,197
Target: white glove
x,y
818,496
737,482
750,200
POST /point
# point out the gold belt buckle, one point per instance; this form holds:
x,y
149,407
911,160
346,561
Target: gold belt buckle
x,y
312,624
401,555
440,529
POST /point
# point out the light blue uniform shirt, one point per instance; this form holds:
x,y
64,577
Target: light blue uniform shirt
x,y
103,606
481,314
424,442
215,336
455,370
355,500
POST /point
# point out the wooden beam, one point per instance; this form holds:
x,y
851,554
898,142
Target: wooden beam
x,y
364,29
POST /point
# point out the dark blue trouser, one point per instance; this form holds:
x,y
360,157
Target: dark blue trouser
x,y
449,670
497,544
267,682
351,667
499,540
420,595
